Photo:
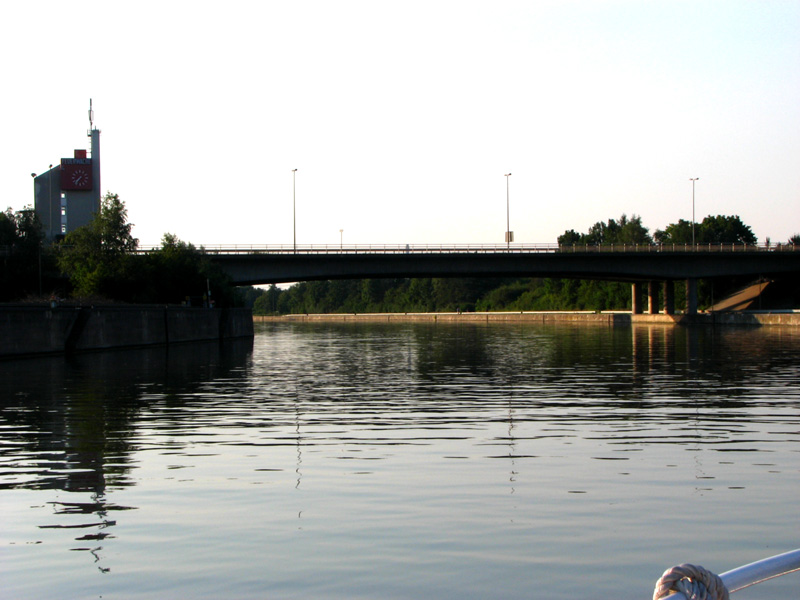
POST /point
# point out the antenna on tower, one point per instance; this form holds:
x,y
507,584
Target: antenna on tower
x,y
91,116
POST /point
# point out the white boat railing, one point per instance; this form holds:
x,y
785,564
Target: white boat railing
x,y
753,573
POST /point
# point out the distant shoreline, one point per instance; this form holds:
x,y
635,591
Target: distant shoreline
x,y
744,318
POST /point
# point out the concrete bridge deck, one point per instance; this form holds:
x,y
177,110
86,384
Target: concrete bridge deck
x,y
253,265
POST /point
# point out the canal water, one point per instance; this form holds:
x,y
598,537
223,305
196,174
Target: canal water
x,y
401,461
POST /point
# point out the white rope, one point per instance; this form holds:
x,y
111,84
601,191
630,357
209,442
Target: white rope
x,y
694,582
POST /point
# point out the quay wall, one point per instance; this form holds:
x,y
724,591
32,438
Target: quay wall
x,y
31,330
790,319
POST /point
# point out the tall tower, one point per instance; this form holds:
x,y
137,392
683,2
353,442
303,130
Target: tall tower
x,y
67,196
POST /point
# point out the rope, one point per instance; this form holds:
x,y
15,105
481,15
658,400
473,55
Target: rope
x,y
692,581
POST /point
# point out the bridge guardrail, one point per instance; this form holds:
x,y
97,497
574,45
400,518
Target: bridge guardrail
x,y
479,248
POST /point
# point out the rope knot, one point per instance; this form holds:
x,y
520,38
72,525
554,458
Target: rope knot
x,y
694,582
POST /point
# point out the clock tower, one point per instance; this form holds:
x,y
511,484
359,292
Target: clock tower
x,y
67,196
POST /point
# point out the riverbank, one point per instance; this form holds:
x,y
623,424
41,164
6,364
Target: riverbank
x,y
34,330
743,318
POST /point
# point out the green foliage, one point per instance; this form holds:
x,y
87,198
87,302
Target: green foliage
x,y
248,295
100,260
23,262
679,233
21,231
267,301
713,230
97,256
557,294
375,295
178,272
570,238
725,230
624,231
443,295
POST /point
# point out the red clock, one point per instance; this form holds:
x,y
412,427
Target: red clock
x,y
76,174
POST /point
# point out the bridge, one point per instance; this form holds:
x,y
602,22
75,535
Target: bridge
x,y
637,264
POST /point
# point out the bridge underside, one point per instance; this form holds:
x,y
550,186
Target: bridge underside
x,y
255,269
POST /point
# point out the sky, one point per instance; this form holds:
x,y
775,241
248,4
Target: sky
x,y
402,118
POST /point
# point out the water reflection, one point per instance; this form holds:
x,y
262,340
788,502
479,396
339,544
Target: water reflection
x,y
72,421
69,424
635,373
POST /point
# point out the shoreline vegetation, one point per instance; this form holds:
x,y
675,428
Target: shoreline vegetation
x,y
742,318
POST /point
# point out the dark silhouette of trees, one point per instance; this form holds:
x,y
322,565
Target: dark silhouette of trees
x,y
628,231
713,230
23,261
101,261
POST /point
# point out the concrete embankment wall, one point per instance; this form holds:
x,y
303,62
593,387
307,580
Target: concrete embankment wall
x,y
791,319
26,330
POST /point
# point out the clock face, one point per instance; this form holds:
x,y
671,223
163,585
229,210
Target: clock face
x,y
80,177
76,176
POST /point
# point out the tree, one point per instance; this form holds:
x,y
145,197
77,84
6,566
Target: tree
x,y
21,257
267,302
632,232
20,231
675,233
628,231
725,230
570,238
8,229
713,230
249,295
96,256
178,272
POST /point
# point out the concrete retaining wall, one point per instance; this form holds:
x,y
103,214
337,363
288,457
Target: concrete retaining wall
x,y
607,318
28,330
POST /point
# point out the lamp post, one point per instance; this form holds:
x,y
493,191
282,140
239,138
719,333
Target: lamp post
x,y
341,238
508,218
294,212
693,179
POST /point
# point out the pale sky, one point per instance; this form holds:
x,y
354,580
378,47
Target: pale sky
x,y
403,117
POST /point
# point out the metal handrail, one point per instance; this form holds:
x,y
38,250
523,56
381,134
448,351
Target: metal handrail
x,y
756,572
480,248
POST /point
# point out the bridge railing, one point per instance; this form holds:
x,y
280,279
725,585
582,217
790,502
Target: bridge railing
x,y
368,248
479,248
680,248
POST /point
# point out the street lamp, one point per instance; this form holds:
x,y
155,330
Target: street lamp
x,y
509,235
294,212
693,179
341,238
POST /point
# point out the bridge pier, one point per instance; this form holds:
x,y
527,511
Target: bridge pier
x,y
652,298
691,296
669,298
636,307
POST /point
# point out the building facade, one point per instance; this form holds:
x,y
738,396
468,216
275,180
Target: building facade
x,y
67,195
